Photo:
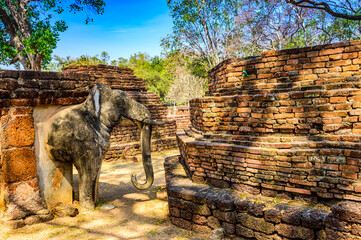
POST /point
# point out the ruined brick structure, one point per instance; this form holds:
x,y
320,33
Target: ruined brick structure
x,y
22,93
180,114
125,138
285,125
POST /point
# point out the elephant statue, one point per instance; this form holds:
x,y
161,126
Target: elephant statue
x,y
80,135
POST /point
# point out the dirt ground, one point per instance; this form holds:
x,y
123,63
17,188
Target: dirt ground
x,y
137,214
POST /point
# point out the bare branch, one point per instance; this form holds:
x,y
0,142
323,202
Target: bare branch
x,y
323,6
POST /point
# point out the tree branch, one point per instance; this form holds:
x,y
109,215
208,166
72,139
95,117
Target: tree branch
x,y
323,6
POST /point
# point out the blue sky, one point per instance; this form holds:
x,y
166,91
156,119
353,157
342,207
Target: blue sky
x,y
126,27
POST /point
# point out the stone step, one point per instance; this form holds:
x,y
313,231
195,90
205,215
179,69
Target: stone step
x,y
195,205
282,88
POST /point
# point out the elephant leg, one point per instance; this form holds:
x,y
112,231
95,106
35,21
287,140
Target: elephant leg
x,y
96,184
89,171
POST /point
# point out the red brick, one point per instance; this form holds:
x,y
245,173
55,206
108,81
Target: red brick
x,y
292,62
331,51
343,106
339,63
244,110
314,65
284,115
19,164
320,59
351,68
18,132
312,54
338,100
327,166
349,168
303,182
350,55
350,175
298,190
334,114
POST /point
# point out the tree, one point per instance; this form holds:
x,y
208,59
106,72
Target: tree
x,y
28,32
185,87
60,62
275,25
152,69
346,9
205,28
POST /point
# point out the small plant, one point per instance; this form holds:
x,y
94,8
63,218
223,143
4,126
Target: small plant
x,y
245,74
98,205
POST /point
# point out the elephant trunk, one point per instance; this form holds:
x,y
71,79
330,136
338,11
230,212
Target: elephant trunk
x,y
146,133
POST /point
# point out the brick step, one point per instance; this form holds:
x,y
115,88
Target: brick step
x,y
272,138
251,90
310,79
293,145
268,149
275,92
313,86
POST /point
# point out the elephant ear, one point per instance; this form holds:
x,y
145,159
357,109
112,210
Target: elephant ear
x,y
93,102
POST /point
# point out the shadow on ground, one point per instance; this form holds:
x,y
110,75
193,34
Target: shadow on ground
x,y
137,214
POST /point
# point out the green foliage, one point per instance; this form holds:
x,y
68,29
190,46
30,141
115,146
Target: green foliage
x,y
151,69
60,62
29,33
204,28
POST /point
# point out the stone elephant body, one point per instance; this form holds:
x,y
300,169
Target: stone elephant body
x,y
80,135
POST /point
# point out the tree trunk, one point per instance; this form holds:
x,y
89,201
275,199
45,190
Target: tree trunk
x,y
18,26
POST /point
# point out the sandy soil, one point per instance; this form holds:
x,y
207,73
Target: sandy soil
x,y
137,214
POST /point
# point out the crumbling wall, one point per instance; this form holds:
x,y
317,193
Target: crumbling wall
x,y
201,208
180,114
284,126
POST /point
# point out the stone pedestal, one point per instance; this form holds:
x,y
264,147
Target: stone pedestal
x,y
55,178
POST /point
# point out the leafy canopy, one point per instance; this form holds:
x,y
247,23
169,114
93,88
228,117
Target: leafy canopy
x,y
29,29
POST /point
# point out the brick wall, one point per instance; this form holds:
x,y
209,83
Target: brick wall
x,y
289,129
293,69
20,91
201,208
117,77
180,114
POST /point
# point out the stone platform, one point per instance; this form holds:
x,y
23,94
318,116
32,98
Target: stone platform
x,y
285,125
200,207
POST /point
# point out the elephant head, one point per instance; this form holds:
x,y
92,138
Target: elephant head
x,y
80,134
114,106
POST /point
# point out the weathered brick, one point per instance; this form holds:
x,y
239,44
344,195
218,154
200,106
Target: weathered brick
x,y
18,164
19,131
294,232
258,224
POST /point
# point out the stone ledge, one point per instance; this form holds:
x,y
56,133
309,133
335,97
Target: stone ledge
x,y
200,207
287,173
